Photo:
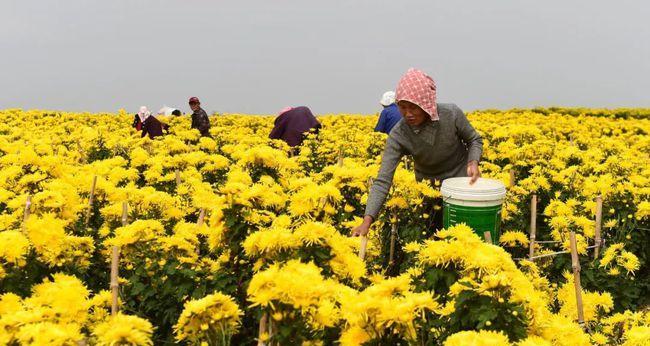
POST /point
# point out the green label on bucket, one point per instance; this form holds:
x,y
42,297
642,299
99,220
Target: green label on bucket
x,y
480,219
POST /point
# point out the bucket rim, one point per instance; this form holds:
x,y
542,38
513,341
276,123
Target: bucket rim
x,y
483,190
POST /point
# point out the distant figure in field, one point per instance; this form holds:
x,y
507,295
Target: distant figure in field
x,y
154,127
176,112
390,115
165,110
148,124
140,117
200,119
292,125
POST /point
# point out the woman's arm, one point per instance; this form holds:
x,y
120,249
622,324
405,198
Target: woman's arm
x,y
390,159
469,135
474,143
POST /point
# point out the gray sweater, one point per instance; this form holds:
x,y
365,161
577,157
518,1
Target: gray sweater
x,y
440,149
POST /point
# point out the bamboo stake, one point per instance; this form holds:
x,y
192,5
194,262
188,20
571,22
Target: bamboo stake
x,y
393,236
114,282
125,213
199,222
84,159
552,254
488,237
263,328
575,265
364,245
28,205
548,255
272,328
513,180
340,160
599,222
91,200
533,226
115,258
178,178
406,163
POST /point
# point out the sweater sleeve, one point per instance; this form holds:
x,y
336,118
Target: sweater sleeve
x,y
469,135
390,159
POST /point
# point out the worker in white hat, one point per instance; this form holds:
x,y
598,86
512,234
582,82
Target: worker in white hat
x,y
390,115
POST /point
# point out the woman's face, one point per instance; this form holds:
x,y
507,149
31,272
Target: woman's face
x,y
412,113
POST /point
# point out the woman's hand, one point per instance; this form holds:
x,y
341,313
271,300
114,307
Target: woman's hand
x,y
363,228
473,172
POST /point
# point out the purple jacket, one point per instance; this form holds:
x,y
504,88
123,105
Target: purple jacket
x,y
291,126
153,127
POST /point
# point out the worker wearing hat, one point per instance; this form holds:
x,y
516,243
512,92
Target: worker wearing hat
x,y
390,115
200,119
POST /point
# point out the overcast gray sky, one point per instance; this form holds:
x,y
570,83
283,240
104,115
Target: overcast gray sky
x,y
333,56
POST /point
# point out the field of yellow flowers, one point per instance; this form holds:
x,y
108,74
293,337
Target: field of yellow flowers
x,y
246,234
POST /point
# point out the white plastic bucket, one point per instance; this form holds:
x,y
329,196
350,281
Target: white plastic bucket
x,y
477,205
483,193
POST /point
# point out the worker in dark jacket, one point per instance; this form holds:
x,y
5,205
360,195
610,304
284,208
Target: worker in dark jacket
x,y
148,124
200,119
153,127
292,124
390,115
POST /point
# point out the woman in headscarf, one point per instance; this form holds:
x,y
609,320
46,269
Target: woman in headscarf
x,y
148,124
140,117
438,136
292,124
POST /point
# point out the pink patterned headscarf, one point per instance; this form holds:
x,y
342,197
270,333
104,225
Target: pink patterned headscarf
x,y
417,87
284,110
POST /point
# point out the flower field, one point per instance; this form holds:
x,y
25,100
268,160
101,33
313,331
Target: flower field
x,y
231,240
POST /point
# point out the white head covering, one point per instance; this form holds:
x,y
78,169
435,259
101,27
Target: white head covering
x,y
166,110
388,98
143,113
